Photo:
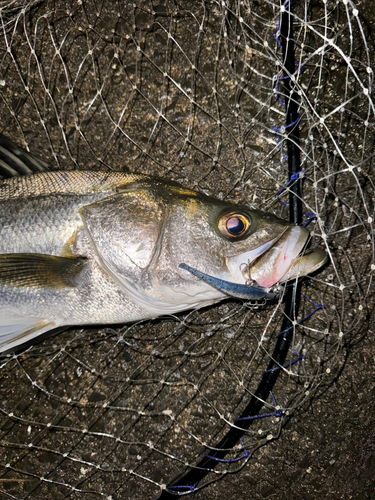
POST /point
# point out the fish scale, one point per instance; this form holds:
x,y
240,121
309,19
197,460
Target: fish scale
x,y
43,224
72,182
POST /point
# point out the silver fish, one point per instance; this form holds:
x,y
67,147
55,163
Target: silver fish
x,y
90,248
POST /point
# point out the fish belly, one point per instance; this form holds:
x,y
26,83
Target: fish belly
x,y
27,312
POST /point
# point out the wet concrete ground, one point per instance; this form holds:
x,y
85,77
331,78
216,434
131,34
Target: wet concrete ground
x,y
327,452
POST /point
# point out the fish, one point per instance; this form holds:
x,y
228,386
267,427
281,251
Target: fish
x,y
100,248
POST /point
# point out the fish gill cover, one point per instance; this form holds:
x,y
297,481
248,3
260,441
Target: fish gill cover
x,y
194,92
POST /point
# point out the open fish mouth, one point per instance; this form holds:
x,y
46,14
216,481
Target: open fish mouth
x,y
279,260
255,273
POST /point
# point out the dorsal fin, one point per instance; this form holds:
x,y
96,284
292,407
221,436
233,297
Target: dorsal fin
x,y
16,161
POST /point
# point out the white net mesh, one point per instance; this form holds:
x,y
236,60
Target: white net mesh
x,y
190,91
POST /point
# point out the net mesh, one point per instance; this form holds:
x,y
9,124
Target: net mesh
x,y
192,92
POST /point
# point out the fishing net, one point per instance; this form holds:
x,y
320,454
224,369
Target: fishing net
x,y
194,92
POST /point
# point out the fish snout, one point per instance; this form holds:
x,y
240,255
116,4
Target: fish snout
x,y
283,261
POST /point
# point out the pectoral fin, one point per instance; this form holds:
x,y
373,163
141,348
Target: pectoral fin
x,y
41,271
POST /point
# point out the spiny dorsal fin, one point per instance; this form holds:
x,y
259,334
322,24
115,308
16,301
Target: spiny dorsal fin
x,y
16,161
29,270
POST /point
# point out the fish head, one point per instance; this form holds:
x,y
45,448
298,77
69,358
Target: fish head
x,y
142,234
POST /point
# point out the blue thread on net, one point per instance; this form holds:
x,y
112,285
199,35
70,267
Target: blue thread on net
x,y
278,130
293,124
276,414
245,455
299,358
191,488
277,32
285,77
310,217
293,178
299,71
317,308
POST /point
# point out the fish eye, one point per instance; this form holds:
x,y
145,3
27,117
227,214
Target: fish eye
x,y
233,225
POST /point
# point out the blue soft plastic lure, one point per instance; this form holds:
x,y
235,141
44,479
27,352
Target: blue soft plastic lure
x,y
233,289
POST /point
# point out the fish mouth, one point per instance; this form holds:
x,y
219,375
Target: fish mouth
x,y
279,260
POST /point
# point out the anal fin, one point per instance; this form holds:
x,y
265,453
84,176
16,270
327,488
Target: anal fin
x,y
15,332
